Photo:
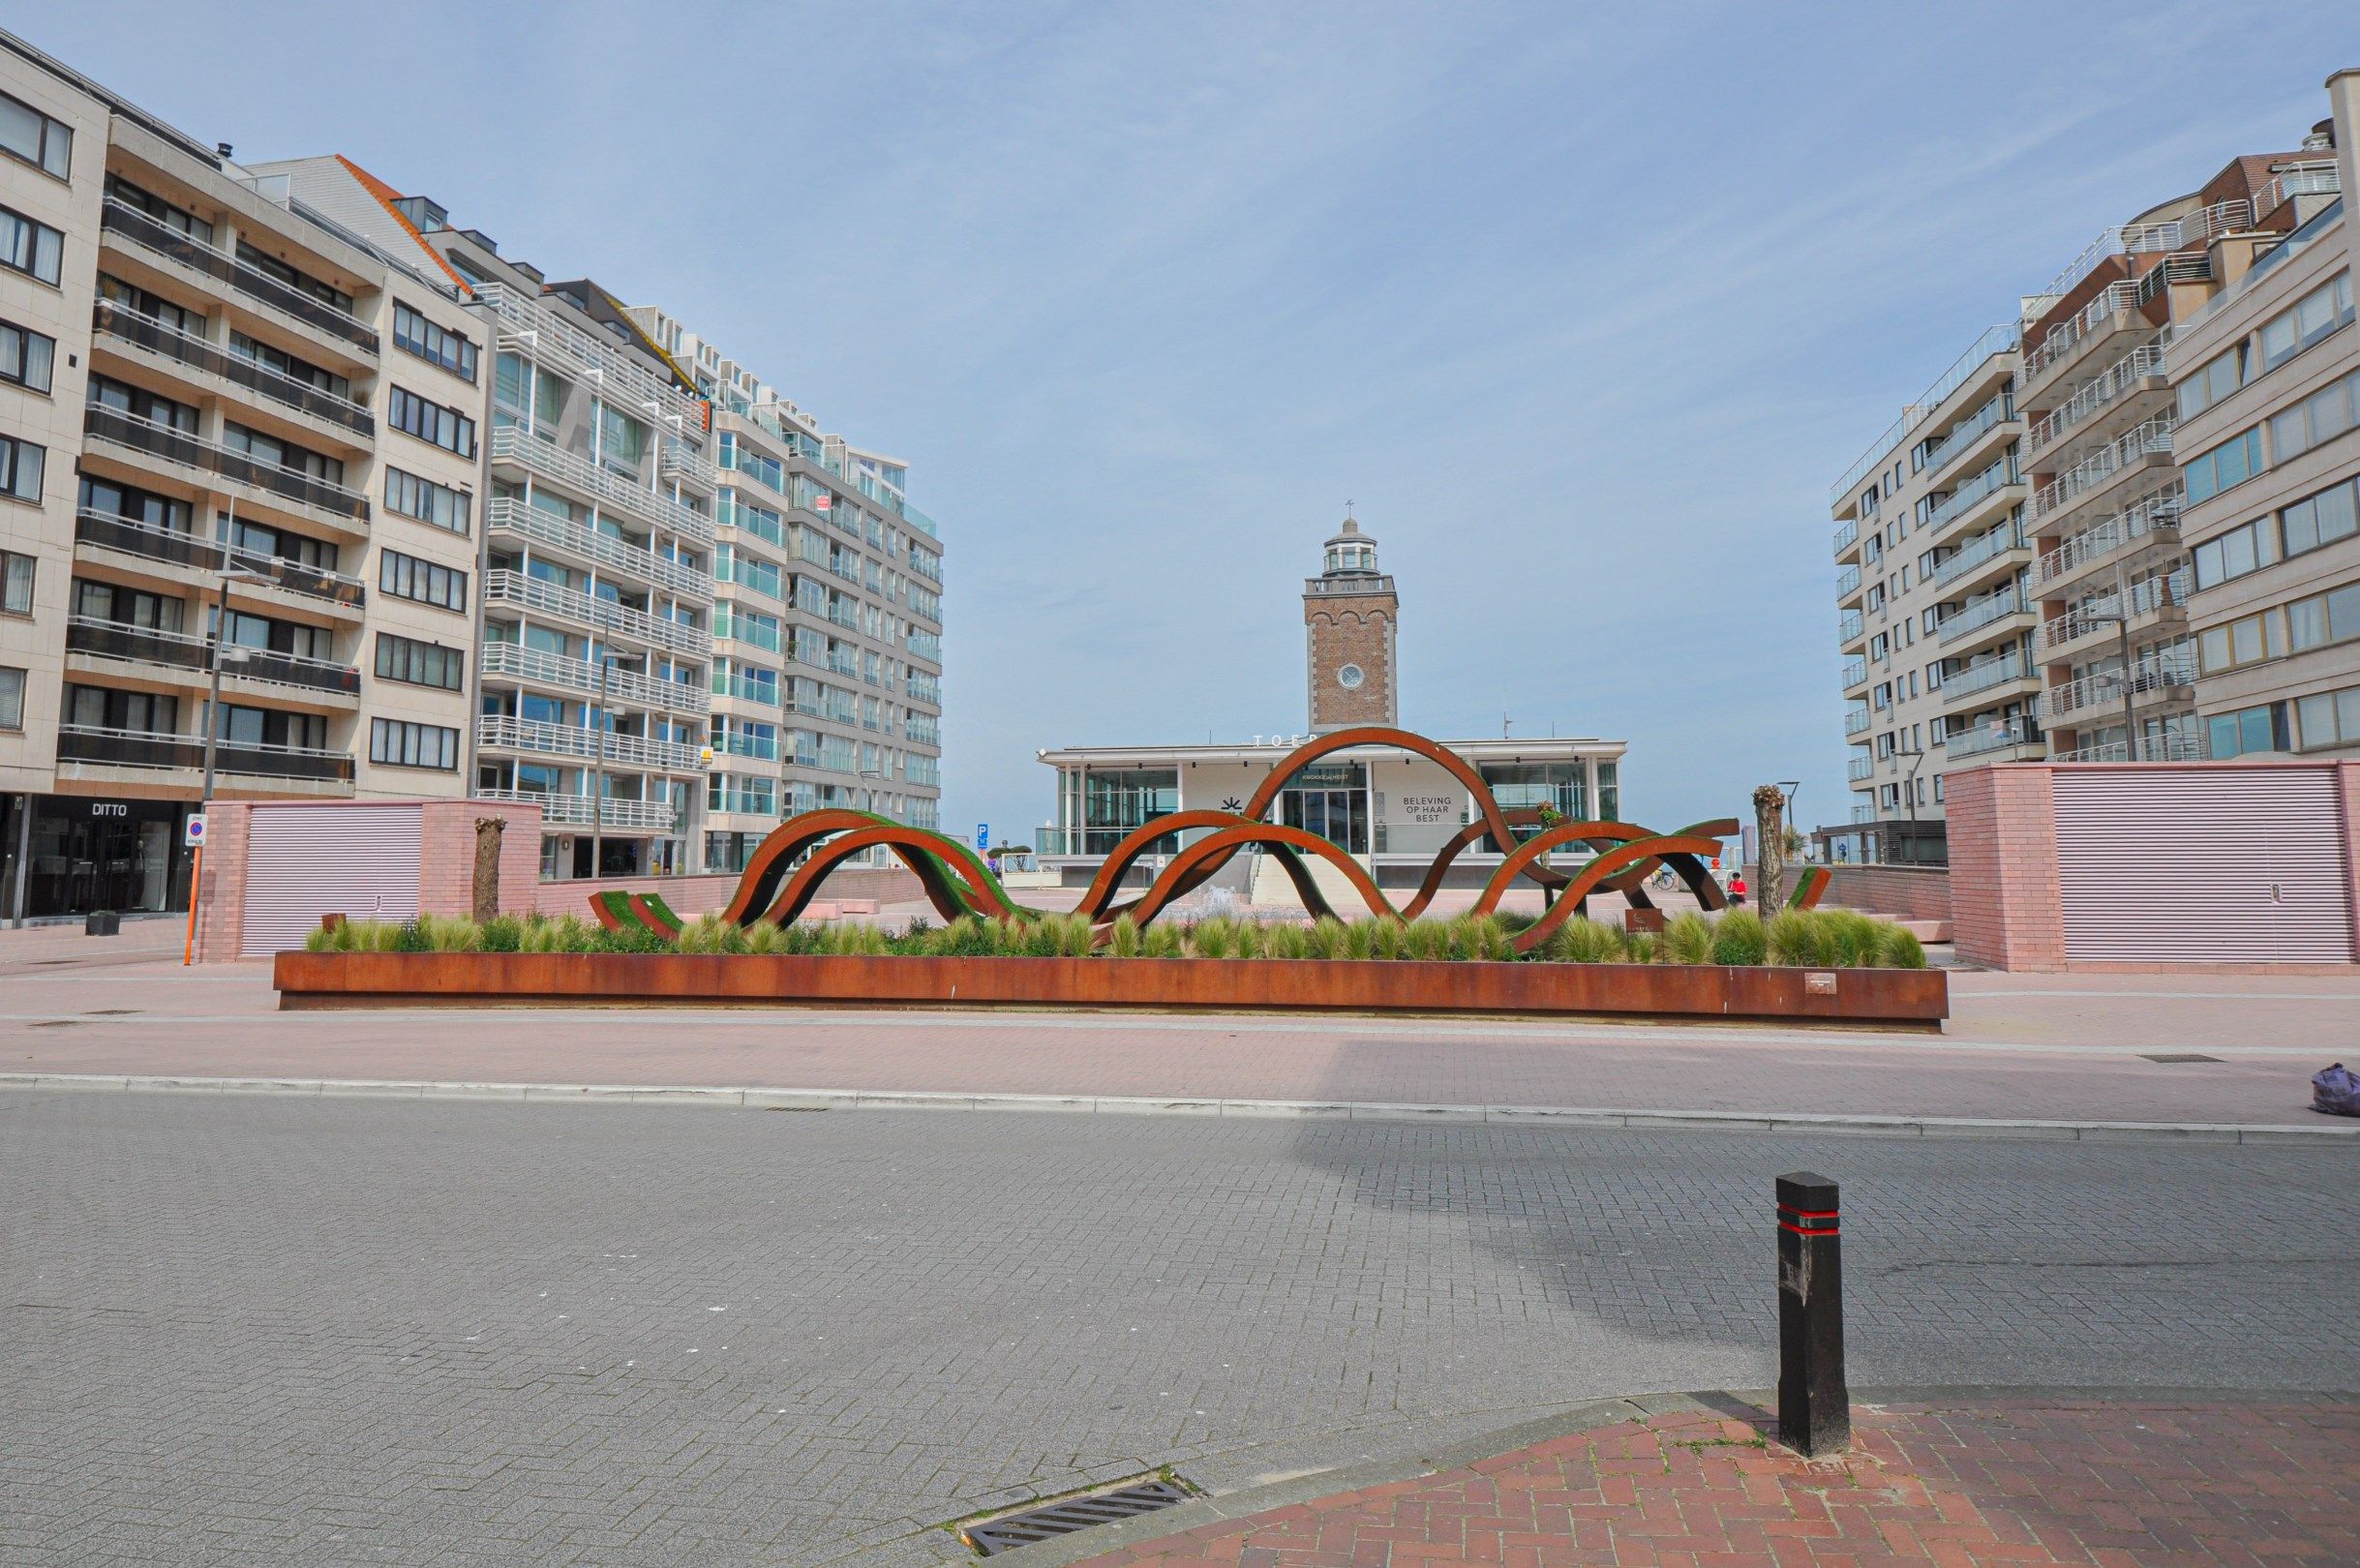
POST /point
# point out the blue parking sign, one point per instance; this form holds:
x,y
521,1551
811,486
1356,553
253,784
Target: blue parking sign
x,y
982,835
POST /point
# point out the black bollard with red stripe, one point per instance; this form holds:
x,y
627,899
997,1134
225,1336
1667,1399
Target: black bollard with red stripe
x,y
1814,1406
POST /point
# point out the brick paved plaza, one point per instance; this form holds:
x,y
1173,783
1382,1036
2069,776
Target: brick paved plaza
x,y
246,1329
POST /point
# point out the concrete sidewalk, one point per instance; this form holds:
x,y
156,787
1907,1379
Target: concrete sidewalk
x,y
2028,1048
1945,1480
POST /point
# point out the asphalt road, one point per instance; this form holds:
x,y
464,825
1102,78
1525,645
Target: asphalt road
x,y
254,1330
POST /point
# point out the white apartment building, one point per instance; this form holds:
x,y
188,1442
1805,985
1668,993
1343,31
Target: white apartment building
x,y
222,413
2014,582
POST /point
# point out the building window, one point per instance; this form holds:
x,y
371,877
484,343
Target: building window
x,y
2330,718
16,584
429,502
407,577
2306,321
2246,639
2319,417
2248,729
2333,616
12,697
27,133
25,356
177,219
446,428
2219,376
2231,464
432,341
420,664
21,468
33,248
2321,519
2247,548
400,744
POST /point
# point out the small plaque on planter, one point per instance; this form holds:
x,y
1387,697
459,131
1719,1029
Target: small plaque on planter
x,y
1819,983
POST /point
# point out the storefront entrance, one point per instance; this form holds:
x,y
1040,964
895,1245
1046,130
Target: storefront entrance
x,y
89,855
1330,799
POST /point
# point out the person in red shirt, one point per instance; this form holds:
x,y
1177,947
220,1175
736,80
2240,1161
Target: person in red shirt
x,y
1736,887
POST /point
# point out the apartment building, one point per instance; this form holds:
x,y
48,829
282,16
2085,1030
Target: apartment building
x,y
221,416
2267,386
826,618
2015,581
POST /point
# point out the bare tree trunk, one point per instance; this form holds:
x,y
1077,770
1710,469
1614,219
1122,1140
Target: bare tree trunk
x,y
1769,841
487,866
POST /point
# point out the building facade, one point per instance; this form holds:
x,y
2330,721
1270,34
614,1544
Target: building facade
x,y
2022,558
1391,809
217,419
462,529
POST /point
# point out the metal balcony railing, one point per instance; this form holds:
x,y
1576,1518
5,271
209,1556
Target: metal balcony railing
x,y
573,741
2145,239
1996,735
2151,748
2063,339
141,748
184,450
514,661
1984,677
1968,432
547,460
1980,614
146,332
2148,676
2148,359
1998,542
145,644
540,331
2316,176
504,587
1998,340
2151,438
679,461
2100,614
524,519
161,239
1974,492
575,810
2158,516
105,530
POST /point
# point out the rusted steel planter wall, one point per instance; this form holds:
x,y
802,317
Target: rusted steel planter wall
x,y
329,980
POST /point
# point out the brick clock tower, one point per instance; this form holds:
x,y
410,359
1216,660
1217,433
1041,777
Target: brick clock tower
x,y
1348,612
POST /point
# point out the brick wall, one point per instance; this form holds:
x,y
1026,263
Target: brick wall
x,y
1354,630
1909,892
221,883
446,868
2005,911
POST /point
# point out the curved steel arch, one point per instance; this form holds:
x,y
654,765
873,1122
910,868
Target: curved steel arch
x,y
1230,840
1598,870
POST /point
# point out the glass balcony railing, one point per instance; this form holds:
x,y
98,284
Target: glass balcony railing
x,y
1994,735
1980,614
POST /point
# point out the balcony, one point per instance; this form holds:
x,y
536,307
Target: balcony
x,y
1998,740
2311,177
2154,520
142,749
1845,538
1965,434
1859,769
1847,582
2143,368
193,255
2152,748
177,650
505,733
1991,547
2150,680
122,535
521,520
546,461
2068,341
514,587
574,810
2155,596
1982,614
1848,630
182,450
1976,678
2140,448
1999,340
1856,673
1970,497
680,462
1857,721
742,802
540,331
170,342
735,686
516,662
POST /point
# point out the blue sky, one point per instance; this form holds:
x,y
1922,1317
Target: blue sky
x,y
1583,307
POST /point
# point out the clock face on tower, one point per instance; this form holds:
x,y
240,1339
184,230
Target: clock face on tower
x,y
1349,678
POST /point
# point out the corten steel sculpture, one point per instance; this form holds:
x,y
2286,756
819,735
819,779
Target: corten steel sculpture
x,y
788,866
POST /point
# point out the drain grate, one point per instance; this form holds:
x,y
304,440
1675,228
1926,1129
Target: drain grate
x,y
1009,1531
2178,1056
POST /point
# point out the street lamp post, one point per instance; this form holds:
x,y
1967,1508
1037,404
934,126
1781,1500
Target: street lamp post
x,y
606,668
217,655
2120,616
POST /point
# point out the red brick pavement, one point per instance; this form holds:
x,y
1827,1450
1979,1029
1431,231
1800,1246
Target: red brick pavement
x,y
2111,1484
